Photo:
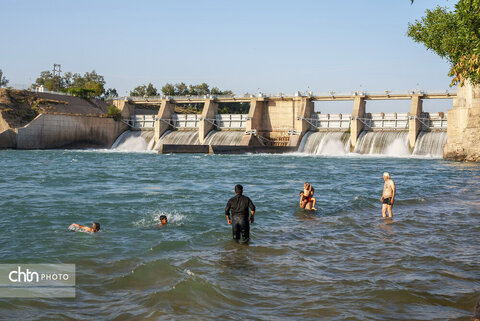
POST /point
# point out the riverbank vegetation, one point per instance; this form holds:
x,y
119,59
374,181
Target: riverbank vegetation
x,y
89,85
182,89
3,80
454,36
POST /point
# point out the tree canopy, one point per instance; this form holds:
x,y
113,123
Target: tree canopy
x,y
455,36
181,89
144,90
3,79
90,84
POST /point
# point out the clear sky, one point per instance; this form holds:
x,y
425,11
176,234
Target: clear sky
x,y
245,46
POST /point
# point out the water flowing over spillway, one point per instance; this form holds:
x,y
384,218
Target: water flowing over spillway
x,y
134,141
232,138
392,143
179,137
325,143
430,144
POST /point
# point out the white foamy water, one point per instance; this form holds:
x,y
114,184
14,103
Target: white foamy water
x,y
394,143
430,144
134,141
325,143
224,137
178,137
153,219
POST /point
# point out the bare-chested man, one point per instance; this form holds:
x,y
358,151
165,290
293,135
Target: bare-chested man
x,y
388,196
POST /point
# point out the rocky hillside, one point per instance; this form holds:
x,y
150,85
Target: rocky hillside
x,y
19,107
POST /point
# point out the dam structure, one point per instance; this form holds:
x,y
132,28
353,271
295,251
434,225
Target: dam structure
x,y
285,124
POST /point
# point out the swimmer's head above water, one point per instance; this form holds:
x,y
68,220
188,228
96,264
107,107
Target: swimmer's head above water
x,y
96,227
163,219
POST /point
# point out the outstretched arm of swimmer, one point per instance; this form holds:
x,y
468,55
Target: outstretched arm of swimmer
x,y
86,228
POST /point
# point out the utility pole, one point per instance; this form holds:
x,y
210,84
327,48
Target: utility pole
x,y
56,72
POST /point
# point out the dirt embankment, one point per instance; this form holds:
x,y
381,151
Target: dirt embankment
x,y
19,107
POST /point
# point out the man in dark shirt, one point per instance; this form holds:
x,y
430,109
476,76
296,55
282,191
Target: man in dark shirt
x,y
239,205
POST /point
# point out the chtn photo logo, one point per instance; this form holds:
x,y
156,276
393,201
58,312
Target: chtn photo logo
x,y
27,276
23,280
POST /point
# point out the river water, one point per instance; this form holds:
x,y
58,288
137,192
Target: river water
x,y
342,262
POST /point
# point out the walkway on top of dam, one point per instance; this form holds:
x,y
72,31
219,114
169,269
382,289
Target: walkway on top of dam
x,y
331,96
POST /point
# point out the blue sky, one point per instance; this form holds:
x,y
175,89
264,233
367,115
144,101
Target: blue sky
x,y
246,46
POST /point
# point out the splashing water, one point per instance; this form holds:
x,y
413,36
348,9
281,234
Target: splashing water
x,y
232,138
153,219
134,141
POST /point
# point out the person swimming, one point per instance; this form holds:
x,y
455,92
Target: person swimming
x,y
163,220
80,228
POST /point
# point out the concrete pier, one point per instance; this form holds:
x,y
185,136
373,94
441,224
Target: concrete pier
x,y
414,124
356,125
162,121
210,110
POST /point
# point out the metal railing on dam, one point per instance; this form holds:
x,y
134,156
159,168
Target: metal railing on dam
x,y
330,96
189,121
232,121
377,121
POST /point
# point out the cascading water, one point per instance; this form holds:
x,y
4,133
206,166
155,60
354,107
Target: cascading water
x,y
179,137
391,143
325,143
430,144
223,137
134,141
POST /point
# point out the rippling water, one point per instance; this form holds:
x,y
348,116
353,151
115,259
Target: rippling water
x,y
342,262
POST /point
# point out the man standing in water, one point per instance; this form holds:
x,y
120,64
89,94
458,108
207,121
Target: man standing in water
x,y
388,196
239,206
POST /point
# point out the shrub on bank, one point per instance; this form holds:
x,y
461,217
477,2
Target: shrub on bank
x,y
114,113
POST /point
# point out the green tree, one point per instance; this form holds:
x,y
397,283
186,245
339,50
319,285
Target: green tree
x,y
181,89
144,90
455,36
168,89
139,91
90,84
3,80
49,81
111,92
151,91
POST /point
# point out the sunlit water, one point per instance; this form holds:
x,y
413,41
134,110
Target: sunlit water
x,y
342,262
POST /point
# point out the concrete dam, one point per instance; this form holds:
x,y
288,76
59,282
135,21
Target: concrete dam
x,y
277,124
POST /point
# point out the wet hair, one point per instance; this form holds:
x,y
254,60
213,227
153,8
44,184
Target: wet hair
x,y
97,226
162,217
386,174
239,189
300,193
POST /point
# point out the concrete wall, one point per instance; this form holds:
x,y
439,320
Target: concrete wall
x,y
414,124
463,130
274,118
356,125
210,110
125,107
212,149
58,131
164,113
